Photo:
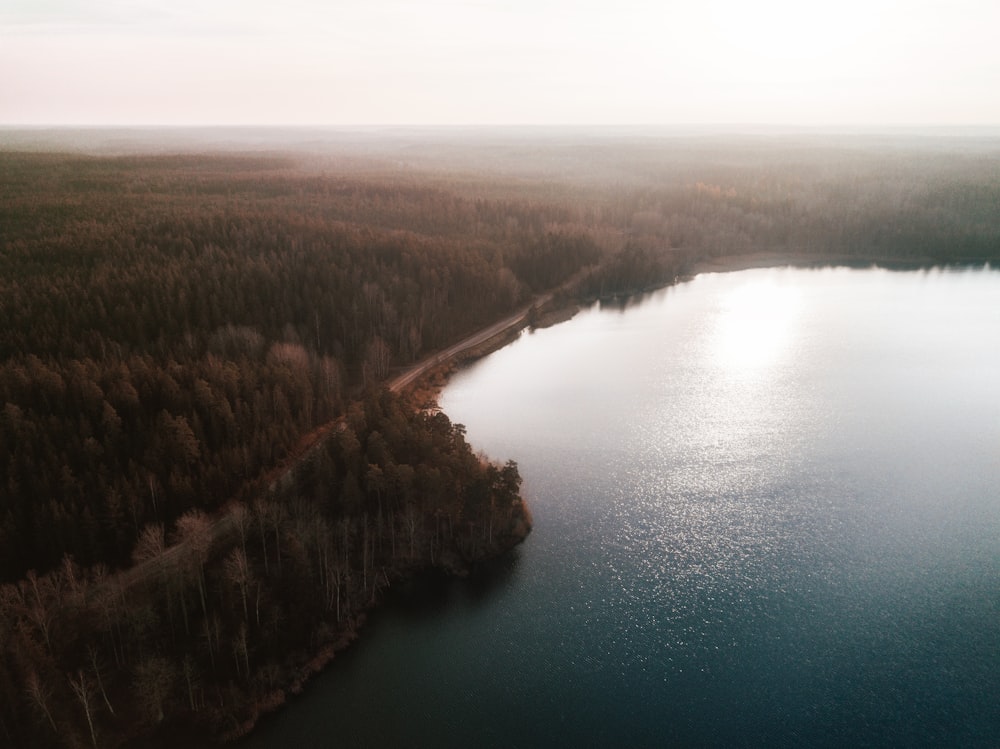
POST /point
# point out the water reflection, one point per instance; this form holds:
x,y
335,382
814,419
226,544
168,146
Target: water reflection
x,y
435,594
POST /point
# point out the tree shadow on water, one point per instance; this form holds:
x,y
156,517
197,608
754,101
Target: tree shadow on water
x,y
434,592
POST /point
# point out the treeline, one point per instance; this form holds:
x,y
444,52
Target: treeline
x,y
172,325
873,205
219,620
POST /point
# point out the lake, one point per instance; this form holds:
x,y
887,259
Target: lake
x,y
767,513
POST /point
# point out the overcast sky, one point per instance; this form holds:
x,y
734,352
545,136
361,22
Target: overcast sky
x,y
348,62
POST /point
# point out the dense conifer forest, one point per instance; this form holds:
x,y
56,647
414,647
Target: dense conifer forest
x,y
173,323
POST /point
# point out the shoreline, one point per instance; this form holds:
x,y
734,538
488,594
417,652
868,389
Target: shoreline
x,y
765,259
312,662
425,390
323,655
769,259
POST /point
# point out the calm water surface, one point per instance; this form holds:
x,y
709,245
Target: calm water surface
x,y
767,513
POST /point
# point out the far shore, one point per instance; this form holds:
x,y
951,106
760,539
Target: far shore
x,y
764,259
770,259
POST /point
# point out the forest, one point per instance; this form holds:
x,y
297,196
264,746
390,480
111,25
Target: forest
x,y
173,323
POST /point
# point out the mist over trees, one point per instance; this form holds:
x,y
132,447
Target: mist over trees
x,y
172,325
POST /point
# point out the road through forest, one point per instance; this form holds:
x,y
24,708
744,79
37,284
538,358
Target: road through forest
x,y
227,521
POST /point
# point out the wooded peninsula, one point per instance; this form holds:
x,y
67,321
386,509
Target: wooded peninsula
x,y
205,482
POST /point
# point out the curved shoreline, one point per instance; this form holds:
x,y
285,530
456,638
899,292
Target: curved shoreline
x,y
427,379
326,653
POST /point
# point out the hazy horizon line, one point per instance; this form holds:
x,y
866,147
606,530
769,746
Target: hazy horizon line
x,y
484,126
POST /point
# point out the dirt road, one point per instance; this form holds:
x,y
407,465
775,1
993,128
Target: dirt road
x,y
225,523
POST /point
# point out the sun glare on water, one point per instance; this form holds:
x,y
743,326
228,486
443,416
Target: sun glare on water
x,y
754,327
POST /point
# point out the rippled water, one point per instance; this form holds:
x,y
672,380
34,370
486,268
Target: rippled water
x,y
767,512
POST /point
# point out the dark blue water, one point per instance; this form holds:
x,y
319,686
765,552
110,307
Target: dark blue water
x,y
767,513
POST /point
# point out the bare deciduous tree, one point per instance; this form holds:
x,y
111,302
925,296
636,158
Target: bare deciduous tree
x,y
194,531
237,571
40,693
83,688
95,665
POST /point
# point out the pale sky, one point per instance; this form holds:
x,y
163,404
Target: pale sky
x,y
352,62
